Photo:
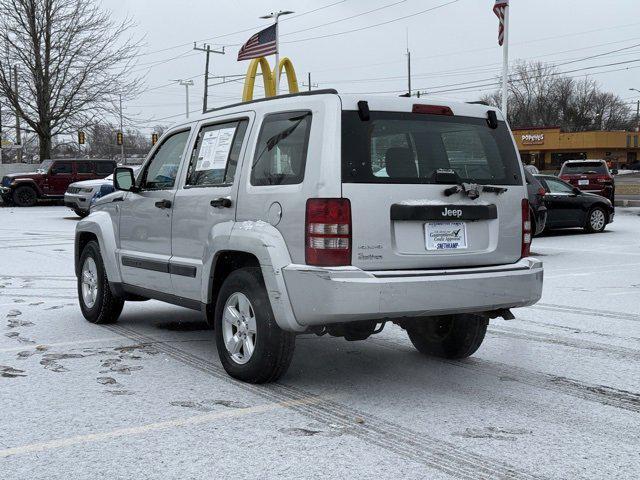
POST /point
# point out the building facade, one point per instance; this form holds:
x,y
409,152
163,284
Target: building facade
x,y
549,147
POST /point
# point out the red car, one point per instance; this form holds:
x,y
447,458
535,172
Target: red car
x,y
51,179
591,176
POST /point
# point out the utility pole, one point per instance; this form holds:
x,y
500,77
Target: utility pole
x,y
18,133
408,66
409,72
207,49
122,132
276,16
309,84
186,84
637,110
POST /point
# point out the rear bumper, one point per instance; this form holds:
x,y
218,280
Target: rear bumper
x,y
321,296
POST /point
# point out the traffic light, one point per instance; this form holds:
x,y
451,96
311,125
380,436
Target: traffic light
x,y
119,138
81,138
154,138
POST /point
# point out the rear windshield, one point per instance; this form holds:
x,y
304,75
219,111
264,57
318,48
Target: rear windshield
x,y
584,167
395,147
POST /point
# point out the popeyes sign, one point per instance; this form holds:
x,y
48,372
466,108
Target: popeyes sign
x,y
532,138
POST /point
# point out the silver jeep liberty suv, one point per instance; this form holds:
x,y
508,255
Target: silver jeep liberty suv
x,y
319,213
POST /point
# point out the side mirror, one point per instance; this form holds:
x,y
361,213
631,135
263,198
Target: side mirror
x,y
614,171
577,191
54,171
124,180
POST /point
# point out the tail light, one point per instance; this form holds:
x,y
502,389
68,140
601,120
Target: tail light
x,y
526,229
328,232
603,179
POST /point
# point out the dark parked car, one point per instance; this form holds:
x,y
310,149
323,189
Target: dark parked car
x,y
568,206
592,176
536,193
51,179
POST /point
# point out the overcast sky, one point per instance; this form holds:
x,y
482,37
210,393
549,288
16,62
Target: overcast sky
x,y
451,45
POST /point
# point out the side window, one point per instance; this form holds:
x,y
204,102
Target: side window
x,y
556,186
215,155
84,167
62,167
161,171
104,168
281,151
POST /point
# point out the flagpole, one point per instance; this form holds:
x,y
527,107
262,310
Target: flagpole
x,y
277,67
505,61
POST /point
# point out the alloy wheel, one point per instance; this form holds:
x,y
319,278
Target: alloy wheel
x,y
597,219
239,329
89,282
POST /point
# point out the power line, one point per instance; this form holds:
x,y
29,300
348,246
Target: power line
x,y
345,18
415,14
471,71
494,83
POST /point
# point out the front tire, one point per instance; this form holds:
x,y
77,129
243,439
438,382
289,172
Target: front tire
x,y
251,345
80,213
97,303
450,336
596,220
24,196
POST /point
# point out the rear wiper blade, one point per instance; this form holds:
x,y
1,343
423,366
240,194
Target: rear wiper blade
x,y
473,190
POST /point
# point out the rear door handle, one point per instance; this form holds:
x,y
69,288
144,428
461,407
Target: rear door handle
x,y
163,204
222,202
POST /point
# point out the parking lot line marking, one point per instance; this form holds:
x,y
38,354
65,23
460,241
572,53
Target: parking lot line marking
x,y
152,427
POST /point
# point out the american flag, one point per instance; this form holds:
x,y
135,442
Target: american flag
x,y
499,9
261,44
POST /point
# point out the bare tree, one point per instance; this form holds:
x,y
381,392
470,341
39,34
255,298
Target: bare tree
x,y
63,63
539,95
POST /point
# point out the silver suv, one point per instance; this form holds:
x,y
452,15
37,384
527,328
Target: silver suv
x,y
319,213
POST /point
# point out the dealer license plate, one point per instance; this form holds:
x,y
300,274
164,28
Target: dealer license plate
x,y
583,182
445,235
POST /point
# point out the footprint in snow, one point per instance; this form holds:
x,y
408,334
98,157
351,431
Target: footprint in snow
x,y
33,304
14,313
19,323
54,307
10,372
494,433
207,405
16,336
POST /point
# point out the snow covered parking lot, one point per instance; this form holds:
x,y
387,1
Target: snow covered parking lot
x,y
552,394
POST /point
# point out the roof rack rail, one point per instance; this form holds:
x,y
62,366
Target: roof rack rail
x,y
288,95
479,102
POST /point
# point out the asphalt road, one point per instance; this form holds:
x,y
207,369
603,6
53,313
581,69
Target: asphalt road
x,y
552,394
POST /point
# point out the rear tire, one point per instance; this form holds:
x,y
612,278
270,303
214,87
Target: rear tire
x,y
596,220
97,303
450,336
24,196
251,345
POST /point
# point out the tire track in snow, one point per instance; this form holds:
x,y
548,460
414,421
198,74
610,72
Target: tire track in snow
x,y
608,350
416,446
586,311
602,394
